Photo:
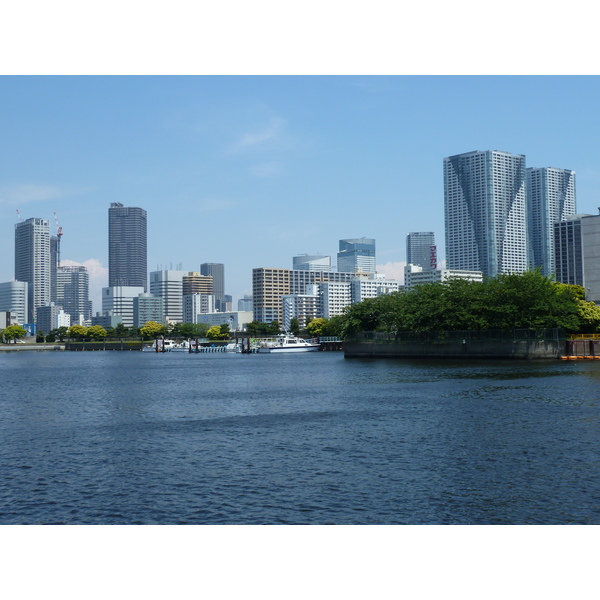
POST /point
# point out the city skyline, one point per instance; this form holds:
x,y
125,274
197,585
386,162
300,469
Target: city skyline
x,y
240,171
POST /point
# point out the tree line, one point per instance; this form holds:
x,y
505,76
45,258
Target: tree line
x,y
527,300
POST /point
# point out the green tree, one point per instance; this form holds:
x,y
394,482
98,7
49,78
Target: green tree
x,y
214,333
40,337
14,332
294,326
190,330
121,331
96,332
60,333
225,332
315,327
274,328
589,317
151,330
77,332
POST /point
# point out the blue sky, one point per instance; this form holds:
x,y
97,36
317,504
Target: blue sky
x,y
252,170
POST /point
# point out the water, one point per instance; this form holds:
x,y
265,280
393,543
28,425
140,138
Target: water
x,y
131,437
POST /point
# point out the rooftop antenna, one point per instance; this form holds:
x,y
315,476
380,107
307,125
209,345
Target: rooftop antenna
x,y
58,236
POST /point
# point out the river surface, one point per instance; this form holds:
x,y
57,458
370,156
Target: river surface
x,y
143,438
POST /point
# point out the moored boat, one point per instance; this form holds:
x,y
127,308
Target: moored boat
x,y
288,343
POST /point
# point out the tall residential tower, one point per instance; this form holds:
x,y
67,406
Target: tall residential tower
x,y
32,262
485,212
127,249
550,198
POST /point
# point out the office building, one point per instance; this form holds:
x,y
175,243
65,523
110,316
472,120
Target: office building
x,y
421,249
373,286
195,283
245,303
356,256
51,317
217,272
118,300
550,198
577,253
168,285
197,304
14,299
311,262
72,293
147,307
237,321
32,262
485,212
127,246
415,275
108,321
269,285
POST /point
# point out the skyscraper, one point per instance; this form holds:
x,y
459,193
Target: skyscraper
x,y
550,198
127,249
356,256
72,293
485,212
217,272
168,286
32,262
421,249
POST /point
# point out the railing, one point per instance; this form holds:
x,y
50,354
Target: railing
x,y
584,336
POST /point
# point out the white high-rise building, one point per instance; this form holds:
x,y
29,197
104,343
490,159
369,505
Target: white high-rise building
x,y
371,287
13,299
550,198
335,296
304,307
168,286
197,304
485,212
32,262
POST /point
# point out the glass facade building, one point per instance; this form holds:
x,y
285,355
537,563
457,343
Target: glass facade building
x,y
356,256
127,246
421,249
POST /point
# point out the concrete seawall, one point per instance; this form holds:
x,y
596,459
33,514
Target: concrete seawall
x,y
528,350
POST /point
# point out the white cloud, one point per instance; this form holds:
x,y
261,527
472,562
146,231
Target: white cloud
x,y
98,279
393,270
270,132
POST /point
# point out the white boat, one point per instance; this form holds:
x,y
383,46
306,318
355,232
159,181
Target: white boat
x,y
160,345
288,343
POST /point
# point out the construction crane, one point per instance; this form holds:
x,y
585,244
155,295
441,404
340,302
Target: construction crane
x,y
19,218
58,236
